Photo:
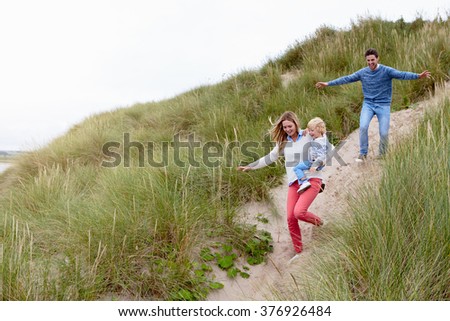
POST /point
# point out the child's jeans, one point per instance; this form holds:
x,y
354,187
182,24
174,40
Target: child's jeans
x,y
300,169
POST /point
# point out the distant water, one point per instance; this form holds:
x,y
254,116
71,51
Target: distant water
x,y
4,166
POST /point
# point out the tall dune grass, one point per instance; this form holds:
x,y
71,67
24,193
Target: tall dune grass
x,y
72,229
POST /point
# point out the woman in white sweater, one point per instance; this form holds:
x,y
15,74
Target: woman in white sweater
x,y
294,146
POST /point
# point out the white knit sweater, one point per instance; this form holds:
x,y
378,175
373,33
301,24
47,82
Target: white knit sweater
x,y
294,152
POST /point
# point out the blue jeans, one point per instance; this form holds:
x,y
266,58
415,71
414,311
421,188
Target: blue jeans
x,y
301,167
383,114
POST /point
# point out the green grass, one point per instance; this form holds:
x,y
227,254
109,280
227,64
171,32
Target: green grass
x,y
74,230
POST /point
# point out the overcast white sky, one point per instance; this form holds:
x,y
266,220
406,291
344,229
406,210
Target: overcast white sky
x,y
61,61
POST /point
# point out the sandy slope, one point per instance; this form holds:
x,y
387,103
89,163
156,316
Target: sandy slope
x,y
341,179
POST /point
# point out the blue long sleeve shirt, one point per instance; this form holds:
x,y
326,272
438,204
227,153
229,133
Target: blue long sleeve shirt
x,y
376,84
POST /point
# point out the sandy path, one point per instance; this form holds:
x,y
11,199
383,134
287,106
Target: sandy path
x,y
341,180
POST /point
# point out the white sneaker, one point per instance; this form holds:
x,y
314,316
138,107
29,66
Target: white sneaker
x,y
295,257
304,187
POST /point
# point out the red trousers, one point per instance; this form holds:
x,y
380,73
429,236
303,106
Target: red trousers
x,y
297,209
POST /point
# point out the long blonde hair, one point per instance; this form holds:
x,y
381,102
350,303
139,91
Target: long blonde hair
x,y
277,132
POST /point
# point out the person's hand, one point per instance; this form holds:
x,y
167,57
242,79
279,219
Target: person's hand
x,y
305,132
321,84
312,170
425,74
244,168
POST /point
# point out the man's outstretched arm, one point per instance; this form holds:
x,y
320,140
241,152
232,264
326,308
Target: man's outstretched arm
x,y
425,74
321,84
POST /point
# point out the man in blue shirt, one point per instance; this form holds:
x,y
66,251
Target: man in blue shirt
x,y
376,82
